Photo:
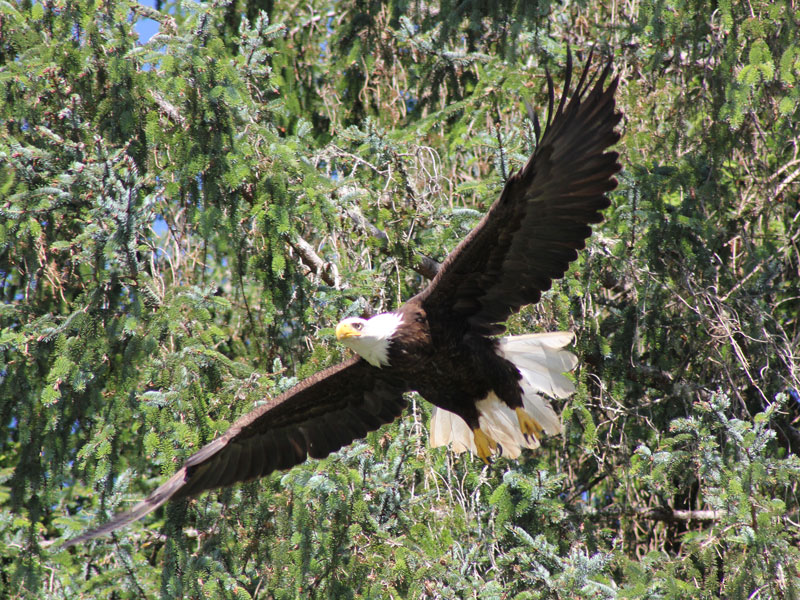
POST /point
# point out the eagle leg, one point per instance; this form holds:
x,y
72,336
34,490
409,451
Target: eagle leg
x,y
485,445
528,425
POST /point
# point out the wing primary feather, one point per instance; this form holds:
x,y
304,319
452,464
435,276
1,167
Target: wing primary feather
x,y
567,79
283,453
550,98
196,477
244,469
320,445
338,432
211,474
158,497
543,216
580,89
268,449
357,427
371,421
261,462
391,411
295,446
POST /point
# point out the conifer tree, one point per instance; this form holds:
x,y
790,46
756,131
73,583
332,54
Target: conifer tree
x,y
184,218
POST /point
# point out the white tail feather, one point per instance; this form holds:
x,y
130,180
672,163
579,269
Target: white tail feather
x,y
541,362
449,428
500,423
541,411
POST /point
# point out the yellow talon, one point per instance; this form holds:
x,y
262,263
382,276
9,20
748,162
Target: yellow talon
x,y
528,425
484,444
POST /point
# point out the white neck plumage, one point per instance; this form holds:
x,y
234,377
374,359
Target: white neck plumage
x,y
370,338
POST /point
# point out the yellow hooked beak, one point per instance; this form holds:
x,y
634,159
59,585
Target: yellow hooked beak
x,y
346,330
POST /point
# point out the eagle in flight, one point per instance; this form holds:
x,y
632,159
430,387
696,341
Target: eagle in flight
x,y
488,391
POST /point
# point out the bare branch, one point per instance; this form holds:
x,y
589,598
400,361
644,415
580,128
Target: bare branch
x,y
786,181
355,214
663,513
327,271
424,265
168,109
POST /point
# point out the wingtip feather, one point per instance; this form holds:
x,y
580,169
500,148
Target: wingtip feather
x,y
159,496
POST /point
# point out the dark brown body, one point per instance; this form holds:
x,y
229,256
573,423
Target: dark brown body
x,y
450,366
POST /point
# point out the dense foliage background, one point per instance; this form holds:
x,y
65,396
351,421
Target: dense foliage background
x,y
184,219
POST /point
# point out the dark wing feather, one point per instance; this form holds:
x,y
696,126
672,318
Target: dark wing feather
x,y
316,417
535,229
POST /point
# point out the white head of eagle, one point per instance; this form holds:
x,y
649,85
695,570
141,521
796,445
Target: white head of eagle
x,y
370,338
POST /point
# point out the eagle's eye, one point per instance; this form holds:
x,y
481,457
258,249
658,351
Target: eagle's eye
x,y
358,326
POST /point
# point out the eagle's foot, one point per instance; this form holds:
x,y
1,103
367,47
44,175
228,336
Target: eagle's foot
x,y
485,445
528,425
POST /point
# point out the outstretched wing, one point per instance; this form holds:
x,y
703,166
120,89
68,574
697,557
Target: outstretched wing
x,y
316,417
535,229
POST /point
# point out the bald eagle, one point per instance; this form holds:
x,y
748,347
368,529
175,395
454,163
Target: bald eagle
x,y
488,392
